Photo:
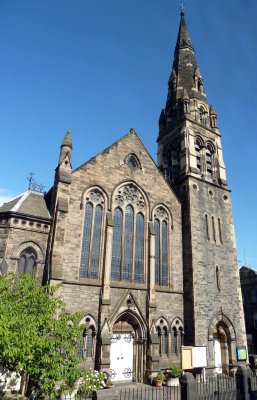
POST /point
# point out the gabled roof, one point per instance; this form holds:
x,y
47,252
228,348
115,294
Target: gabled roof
x,y
28,203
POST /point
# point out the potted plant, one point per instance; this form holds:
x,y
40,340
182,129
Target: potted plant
x,y
172,376
158,380
69,386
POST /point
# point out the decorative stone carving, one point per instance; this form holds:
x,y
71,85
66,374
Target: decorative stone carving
x,y
96,196
119,199
161,213
140,204
130,193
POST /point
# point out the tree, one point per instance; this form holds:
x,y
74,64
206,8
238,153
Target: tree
x,y
37,338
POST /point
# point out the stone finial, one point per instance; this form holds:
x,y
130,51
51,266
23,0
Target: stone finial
x,y
67,139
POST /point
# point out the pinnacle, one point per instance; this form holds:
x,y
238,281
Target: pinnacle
x,y
67,139
212,110
183,39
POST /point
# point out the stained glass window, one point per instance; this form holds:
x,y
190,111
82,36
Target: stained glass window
x,y
164,347
96,243
116,245
128,234
139,254
161,252
21,265
157,251
164,270
84,262
128,244
91,243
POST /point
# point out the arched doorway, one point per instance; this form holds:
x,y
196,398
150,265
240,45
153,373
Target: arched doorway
x,y
222,335
127,353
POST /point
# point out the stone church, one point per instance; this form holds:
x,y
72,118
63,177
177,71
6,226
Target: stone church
x,y
146,252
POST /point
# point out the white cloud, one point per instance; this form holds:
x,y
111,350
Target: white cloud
x,y
5,195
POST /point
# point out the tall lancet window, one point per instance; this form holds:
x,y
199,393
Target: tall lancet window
x,y
198,146
92,236
209,159
161,247
128,244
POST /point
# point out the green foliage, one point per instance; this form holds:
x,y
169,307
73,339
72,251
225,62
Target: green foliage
x,y
90,381
175,371
159,376
37,338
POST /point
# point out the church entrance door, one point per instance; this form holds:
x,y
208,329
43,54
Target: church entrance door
x,y
121,367
217,356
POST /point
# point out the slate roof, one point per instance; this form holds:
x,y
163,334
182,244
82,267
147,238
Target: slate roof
x,y
28,203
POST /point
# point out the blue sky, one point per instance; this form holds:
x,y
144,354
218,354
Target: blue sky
x,y
100,67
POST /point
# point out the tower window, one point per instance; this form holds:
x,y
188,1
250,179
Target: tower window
x,y
220,232
198,155
218,278
209,159
207,227
202,115
213,229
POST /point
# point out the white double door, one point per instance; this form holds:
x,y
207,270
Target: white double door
x,y
121,368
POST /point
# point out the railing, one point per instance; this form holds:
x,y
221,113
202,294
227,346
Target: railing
x,y
253,380
151,393
217,387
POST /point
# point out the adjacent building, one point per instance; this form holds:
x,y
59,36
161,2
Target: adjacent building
x,y
248,279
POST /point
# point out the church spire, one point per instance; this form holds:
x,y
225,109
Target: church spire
x,y
185,78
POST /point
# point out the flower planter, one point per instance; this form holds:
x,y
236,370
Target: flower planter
x,y
69,396
172,382
158,383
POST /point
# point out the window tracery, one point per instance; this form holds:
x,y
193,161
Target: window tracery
x,y
128,245
162,330
92,235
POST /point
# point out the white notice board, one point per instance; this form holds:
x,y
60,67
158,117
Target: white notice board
x,y
199,355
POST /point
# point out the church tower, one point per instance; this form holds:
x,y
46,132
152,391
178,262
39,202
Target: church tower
x,y
190,157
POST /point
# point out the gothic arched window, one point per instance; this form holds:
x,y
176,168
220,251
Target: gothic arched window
x,y
133,162
207,227
202,115
209,159
218,277
198,146
128,249
161,247
162,331
27,261
177,336
92,235
86,347
220,232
